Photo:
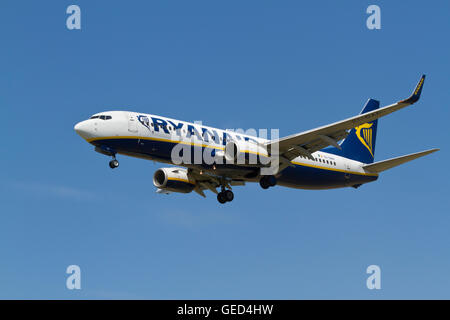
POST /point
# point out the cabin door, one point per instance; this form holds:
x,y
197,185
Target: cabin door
x,y
132,123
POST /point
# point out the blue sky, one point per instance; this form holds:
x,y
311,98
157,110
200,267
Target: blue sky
x,y
232,64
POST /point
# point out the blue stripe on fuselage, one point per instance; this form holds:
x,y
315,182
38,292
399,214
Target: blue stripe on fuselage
x,y
299,176
305,177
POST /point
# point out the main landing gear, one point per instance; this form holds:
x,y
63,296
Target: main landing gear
x,y
267,181
225,196
113,163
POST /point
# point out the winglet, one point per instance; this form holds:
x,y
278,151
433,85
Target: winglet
x,y
416,93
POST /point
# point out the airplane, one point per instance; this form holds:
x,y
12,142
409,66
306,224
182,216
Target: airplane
x,y
337,155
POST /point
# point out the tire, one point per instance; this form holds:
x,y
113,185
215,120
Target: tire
x,y
272,181
264,183
221,197
229,195
113,164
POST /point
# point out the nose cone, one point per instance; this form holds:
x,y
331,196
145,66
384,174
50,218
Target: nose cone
x,y
83,129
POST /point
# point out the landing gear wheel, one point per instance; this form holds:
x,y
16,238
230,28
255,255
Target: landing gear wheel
x,y
113,164
229,195
221,197
264,183
272,181
267,181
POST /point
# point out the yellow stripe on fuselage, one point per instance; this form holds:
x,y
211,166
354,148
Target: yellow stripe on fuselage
x,y
334,169
155,139
171,141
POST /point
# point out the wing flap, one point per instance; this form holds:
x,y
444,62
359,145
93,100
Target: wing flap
x,y
205,181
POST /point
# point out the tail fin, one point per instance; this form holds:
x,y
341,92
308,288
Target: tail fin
x,y
360,142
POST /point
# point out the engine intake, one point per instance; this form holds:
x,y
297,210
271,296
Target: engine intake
x,y
173,180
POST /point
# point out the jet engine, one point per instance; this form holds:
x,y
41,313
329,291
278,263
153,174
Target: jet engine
x,y
173,180
243,153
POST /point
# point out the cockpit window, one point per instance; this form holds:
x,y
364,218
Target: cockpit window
x,y
102,117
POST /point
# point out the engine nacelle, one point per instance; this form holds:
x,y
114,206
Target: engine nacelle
x,y
245,153
232,152
173,180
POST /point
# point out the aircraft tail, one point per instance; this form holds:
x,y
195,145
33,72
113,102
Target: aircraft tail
x,y
359,145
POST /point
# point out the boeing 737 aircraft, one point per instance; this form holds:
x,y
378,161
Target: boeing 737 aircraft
x,y
311,159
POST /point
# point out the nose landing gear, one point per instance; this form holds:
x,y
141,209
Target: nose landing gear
x,y
107,151
113,163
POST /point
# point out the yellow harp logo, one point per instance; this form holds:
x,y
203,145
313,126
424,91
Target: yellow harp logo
x,y
364,134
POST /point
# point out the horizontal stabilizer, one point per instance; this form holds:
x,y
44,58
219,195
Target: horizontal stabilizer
x,y
391,163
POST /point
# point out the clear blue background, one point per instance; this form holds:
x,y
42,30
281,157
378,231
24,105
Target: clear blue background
x,y
232,64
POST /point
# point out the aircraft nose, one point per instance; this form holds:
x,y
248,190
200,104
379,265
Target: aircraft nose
x,y
83,129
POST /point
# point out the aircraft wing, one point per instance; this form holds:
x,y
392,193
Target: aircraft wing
x,y
307,142
205,181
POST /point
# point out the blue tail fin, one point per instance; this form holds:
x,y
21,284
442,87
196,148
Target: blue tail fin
x,y
360,142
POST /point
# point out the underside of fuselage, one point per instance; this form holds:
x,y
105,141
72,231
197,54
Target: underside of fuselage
x,y
297,176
